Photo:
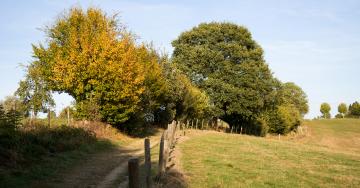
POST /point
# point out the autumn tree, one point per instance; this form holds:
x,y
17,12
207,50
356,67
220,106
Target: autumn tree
x,y
325,110
90,56
225,62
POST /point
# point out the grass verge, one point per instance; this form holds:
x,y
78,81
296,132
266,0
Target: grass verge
x,y
35,154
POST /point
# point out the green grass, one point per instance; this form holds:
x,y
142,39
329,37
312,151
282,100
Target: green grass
x,y
224,160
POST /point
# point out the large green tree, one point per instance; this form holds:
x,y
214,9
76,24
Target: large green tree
x,y
223,60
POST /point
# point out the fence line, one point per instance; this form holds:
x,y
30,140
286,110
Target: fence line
x,y
166,146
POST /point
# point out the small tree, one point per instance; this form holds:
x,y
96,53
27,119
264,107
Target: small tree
x,y
325,110
342,109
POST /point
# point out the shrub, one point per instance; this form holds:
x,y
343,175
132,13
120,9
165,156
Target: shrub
x,y
283,119
339,116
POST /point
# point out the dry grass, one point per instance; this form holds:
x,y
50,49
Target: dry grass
x,y
328,157
105,131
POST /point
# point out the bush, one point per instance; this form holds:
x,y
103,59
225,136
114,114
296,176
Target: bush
x,y
339,116
283,119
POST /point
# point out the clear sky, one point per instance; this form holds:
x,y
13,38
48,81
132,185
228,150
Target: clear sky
x,y
315,44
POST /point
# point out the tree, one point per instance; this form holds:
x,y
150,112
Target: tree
x,y
180,99
9,119
93,58
283,119
354,109
325,110
290,93
342,109
34,91
225,62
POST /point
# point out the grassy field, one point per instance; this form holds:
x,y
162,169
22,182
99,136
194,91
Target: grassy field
x,y
328,157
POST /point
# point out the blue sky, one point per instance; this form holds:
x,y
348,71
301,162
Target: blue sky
x,y
315,44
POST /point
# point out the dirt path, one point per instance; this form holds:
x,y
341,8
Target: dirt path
x,y
102,169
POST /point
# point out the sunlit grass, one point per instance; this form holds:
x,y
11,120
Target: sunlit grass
x,y
225,160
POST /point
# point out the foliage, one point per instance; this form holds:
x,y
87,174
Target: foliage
x,y
283,119
339,116
34,91
90,56
342,109
182,100
88,110
14,103
290,93
64,112
325,110
225,62
9,120
354,109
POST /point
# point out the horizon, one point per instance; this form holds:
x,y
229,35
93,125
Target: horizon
x,y
313,44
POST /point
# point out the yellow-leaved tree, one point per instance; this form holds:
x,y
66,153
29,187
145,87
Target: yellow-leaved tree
x,y
92,57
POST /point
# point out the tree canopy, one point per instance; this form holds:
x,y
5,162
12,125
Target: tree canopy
x,y
93,58
354,109
342,109
290,93
217,70
325,110
223,60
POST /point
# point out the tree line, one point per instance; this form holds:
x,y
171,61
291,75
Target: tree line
x,y
351,111
217,70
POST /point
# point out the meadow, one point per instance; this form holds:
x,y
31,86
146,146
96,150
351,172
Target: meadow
x,y
327,157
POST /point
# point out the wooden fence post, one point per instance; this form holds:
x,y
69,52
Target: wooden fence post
x,y
133,167
49,117
161,169
147,162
